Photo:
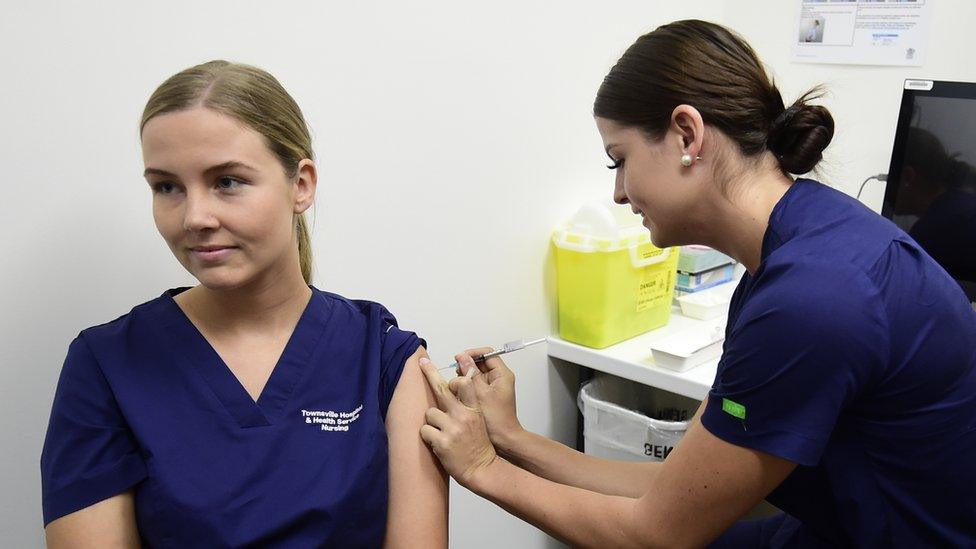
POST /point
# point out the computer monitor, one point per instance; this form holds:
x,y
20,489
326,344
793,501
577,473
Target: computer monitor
x,y
931,192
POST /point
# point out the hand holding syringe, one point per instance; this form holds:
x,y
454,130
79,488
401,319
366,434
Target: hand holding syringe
x,y
509,347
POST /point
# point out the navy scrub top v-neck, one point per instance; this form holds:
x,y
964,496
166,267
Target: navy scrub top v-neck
x,y
853,354
144,402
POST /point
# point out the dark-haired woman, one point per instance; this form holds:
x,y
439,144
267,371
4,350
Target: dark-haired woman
x,y
846,393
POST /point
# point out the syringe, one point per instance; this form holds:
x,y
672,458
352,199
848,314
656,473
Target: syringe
x,y
509,347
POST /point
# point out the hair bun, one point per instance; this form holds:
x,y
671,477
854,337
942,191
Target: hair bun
x,y
799,135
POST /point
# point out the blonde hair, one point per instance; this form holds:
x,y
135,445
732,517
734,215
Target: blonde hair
x,y
255,98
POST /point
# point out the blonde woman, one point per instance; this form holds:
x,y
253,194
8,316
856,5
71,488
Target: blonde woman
x,y
252,409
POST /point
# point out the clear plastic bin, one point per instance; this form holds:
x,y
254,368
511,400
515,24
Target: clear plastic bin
x,y
627,421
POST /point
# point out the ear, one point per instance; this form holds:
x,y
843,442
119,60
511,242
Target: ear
x,y
687,124
305,184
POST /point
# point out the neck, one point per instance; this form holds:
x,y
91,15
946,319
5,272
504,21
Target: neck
x,y
739,218
271,301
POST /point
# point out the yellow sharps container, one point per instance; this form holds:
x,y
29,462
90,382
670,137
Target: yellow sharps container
x,y
612,283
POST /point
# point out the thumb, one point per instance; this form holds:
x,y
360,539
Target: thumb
x,y
466,364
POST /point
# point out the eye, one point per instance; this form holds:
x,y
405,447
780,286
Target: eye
x,y
228,183
616,163
164,187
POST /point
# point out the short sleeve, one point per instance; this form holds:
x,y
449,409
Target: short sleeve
x,y
396,347
89,452
803,344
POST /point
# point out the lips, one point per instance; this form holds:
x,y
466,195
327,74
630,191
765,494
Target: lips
x,y
212,254
210,248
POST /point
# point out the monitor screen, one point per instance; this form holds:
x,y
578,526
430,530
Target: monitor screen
x,y
931,191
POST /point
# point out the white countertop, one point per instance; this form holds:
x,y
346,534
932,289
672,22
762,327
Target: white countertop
x,y
632,359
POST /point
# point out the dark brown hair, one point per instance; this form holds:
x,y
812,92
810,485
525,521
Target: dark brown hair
x,y
714,70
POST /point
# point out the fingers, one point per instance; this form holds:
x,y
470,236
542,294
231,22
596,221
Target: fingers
x,y
467,359
432,436
463,389
433,431
491,364
494,368
437,418
452,384
470,390
466,362
481,387
445,398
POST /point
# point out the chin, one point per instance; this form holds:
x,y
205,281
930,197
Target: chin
x,y
661,242
658,238
214,280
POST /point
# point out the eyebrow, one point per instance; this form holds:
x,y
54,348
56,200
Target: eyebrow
x,y
217,168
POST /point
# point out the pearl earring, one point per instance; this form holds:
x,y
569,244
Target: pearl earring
x,y
686,159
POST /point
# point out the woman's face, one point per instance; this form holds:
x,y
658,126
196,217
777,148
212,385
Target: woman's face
x,y
650,177
221,199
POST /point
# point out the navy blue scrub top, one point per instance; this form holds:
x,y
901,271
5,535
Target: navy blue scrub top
x,y
853,354
145,402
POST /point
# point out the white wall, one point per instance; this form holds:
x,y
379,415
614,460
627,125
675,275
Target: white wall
x,y
863,100
452,138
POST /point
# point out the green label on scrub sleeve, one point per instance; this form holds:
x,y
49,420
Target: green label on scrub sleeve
x,y
733,408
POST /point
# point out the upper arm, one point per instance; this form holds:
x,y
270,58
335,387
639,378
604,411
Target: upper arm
x,y
417,515
108,523
704,486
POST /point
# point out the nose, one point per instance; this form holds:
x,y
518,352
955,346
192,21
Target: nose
x,y
198,214
619,196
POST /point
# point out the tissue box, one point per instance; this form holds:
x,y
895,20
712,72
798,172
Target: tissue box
x,y
694,282
696,259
